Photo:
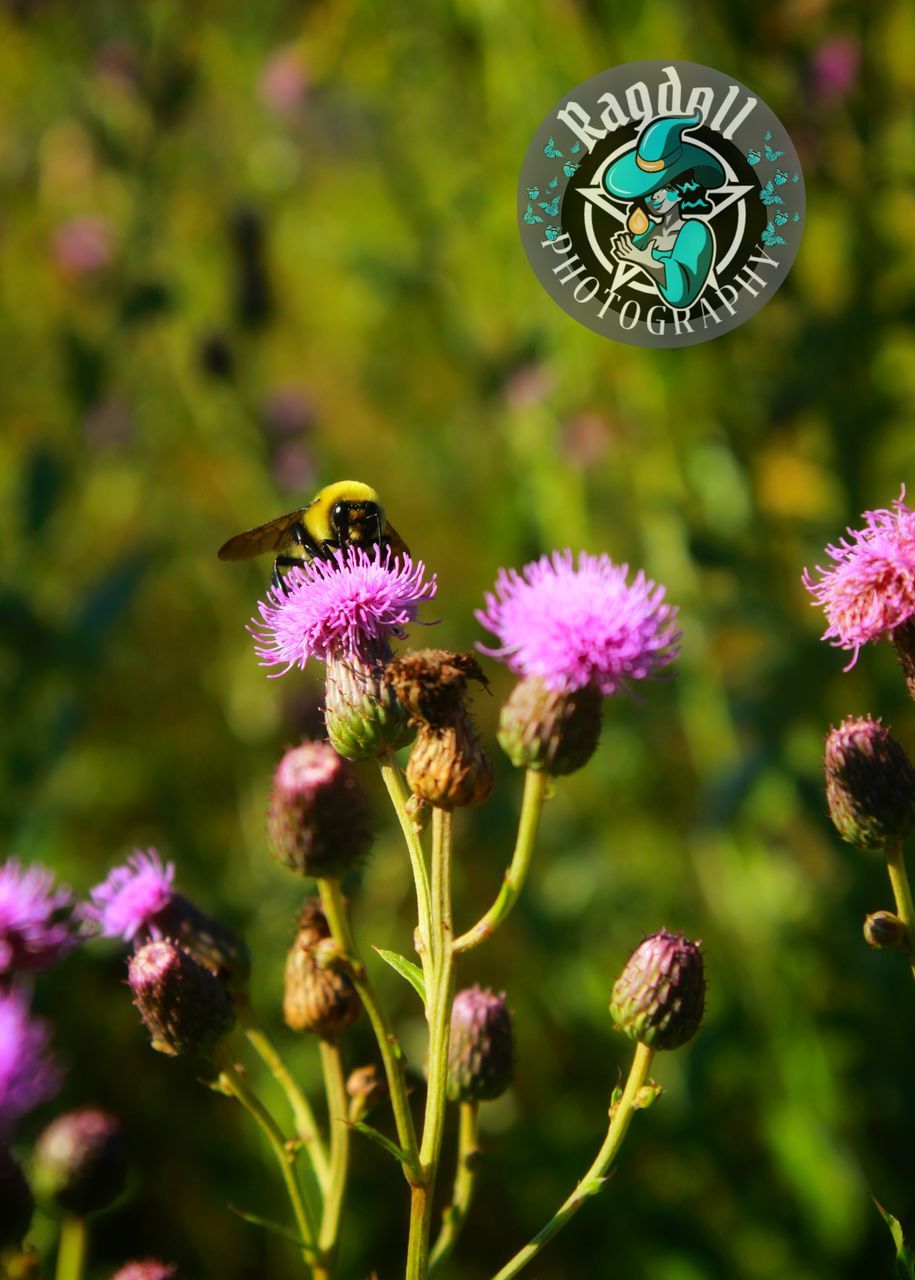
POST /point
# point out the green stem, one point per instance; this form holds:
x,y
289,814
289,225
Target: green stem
x,y
390,772
391,1053
536,784
902,892
593,1180
438,1015
71,1253
306,1126
337,1110
233,1083
468,1157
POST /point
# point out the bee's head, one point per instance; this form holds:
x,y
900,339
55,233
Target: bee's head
x,y
357,523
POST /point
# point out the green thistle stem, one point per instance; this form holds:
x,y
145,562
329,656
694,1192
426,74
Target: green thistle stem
x,y
438,1016
306,1125
393,780
593,1180
902,892
468,1155
536,785
233,1084
391,1053
337,1110
71,1253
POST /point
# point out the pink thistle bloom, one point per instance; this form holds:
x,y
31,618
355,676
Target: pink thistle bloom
x,y
32,934
869,590
349,605
574,626
126,903
27,1074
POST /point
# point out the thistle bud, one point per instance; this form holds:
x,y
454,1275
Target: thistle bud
x,y
316,998
148,1270
362,714
659,998
81,1161
553,732
481,1053
886,932
366,1087
318,819
209,941
16,1202
432,683
186,1008
449,767
870,784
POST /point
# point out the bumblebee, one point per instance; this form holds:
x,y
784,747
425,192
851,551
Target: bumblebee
x,y
345,514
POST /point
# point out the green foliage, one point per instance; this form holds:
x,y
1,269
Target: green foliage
x,y
314,272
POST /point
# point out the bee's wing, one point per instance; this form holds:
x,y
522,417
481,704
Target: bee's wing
x,y
395,541
272,536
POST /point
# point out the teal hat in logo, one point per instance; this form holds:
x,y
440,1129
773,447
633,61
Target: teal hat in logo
x,y
659,157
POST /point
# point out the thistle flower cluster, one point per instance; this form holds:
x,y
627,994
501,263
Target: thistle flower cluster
x,y
868,595
574,632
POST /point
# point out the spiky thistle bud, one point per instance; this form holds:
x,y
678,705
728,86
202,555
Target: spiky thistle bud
x,y
886,932
367,1087
659,998
16,1202
481,1053
432,683
362,714
187,1009
80,1161
870,784
147,1270
448,765
316,998
318,819
540,728
208,940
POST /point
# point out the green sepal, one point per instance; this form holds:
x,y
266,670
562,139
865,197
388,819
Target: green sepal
x,y
407,969
385,1143
905,1258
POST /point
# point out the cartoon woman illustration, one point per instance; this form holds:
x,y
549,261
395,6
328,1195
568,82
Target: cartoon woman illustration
x,y
666,180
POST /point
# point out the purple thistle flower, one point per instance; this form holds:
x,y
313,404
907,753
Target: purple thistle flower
x,y
869,590
126,903
577,627
351,604
32,934
27,1074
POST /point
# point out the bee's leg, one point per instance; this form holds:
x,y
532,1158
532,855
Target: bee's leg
x,y
278,580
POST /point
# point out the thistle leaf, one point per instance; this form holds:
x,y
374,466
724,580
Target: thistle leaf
x,y
275,1228
385,1143
407,969
905,1258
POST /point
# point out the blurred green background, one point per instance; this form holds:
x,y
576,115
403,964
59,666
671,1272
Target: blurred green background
x,y
247,250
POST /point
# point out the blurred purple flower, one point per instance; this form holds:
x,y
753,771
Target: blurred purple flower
x,y
869,590
586,439
284,82
347,605
108,423
578,626
124,904
293,467
528,385
83,246
148,1270
27,1074
33,935
288,411
834,68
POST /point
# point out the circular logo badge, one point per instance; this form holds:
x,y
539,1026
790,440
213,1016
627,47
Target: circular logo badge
x,y
661,203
